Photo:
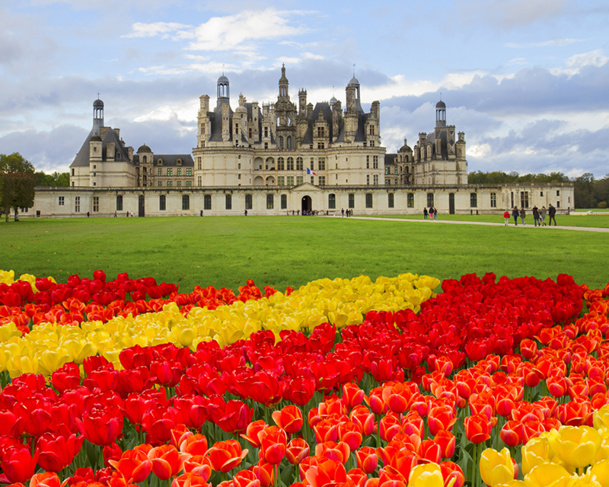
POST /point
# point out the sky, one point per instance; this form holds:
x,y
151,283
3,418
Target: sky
x,y
526,80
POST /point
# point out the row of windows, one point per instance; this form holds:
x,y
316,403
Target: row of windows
x,y
169,171
169,184
270,201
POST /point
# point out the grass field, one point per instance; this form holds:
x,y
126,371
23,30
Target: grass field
x,y
291,251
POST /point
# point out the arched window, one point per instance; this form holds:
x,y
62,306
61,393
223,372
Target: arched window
x,y
299,165
281,142
289,142
290,163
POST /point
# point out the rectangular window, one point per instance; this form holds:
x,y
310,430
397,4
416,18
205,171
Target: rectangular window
x,y
95,203
179,184
430,199
473,200
524,199
284,201
351,200
410,200
280,181
270,202
493,200
541,193
169,171
512,199
299,164
160,184
322,180
207,202
119,203
61,201
368,200
185,202
557,192
299,180
169,184
368,179
387,182
367,162
160,171
322,163
291,181
312,179
558,204
179,171
390,200
77,204
189,171
162,202
248,202
198,163
229,202
189,183
199,181
332,201
375,179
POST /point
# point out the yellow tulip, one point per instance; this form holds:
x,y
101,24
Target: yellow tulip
x,y
7,277
537,451
600,472
512,483
575,445
496,467
548,475
427,475
601,418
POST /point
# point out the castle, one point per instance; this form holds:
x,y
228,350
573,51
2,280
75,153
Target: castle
x,y
283,157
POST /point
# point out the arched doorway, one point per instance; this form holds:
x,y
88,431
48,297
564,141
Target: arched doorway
x,y
306,205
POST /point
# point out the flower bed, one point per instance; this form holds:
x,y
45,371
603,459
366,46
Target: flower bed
x,y
358,382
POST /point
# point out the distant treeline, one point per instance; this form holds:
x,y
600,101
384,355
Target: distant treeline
x,y
55,179
589,192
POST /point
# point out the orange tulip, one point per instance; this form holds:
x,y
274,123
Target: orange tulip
x,y
298,449
226,455
166,461
273,444
367,459
289,419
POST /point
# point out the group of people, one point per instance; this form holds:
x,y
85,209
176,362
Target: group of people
x,y
432,213
347,213
539,215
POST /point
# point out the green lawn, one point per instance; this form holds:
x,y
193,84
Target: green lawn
x,y
290,251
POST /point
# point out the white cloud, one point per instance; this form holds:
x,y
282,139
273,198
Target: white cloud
x,y
237,32
162,29
574,64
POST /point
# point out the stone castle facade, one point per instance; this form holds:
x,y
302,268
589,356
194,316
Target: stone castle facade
x,y
283,157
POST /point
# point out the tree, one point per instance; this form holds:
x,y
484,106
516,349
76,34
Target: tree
x,y
17,183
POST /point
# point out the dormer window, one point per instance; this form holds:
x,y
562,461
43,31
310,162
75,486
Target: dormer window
x,y
179,162
159,162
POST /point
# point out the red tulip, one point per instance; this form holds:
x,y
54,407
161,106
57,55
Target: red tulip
x,y
18,465
56,451
350,434
450,471
198,465
364,419
367,459
447,442
102,427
